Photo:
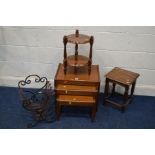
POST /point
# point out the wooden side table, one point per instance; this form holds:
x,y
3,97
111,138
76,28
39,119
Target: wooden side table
x,y
123,78
79,89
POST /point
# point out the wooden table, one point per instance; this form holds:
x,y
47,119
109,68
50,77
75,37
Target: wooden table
x,y
80,89
123,78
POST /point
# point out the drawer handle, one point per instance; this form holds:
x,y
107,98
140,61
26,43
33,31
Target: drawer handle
x,y
70,102
66,91
74,99
76,78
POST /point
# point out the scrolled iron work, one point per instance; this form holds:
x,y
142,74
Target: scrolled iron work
x,y
36,100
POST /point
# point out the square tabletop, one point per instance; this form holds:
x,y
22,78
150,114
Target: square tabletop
x,y
122,76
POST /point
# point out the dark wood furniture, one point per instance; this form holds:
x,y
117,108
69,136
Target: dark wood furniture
x,y
124,78
79,89
77,60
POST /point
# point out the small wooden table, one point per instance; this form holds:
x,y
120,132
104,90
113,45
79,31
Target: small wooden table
x,y
79,89
123,78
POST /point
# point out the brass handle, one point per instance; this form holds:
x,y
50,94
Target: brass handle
x,y
76,78
66,91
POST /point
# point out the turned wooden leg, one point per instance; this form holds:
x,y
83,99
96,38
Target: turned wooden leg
x,y
126,97
65,70
65,66
113,88
97,98
89,70
75,70
132,89
58,111
106,90
89,67
93,114
65,53
90,54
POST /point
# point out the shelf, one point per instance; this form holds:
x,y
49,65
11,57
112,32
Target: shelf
x,y
79,62
81,39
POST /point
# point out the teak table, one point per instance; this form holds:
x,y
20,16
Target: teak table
x,y
79,89
123,78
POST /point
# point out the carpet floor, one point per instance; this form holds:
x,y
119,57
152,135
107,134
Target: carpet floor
x,y
139,115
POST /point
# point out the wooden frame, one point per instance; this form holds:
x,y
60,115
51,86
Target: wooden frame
x,y
77,89
123,78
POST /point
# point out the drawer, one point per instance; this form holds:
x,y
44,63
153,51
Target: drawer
x,y
76,82
76,100
76,89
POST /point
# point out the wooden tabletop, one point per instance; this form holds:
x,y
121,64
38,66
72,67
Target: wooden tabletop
x,y
81,75
74,98
81,60
122,76
81,39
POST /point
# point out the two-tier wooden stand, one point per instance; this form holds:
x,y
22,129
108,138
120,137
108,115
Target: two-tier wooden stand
x,y
77,60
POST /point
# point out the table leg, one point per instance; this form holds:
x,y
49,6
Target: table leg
x,y
93,114
89,69
132,89
58,111
113,88
106,90
65,66
75,70
126,97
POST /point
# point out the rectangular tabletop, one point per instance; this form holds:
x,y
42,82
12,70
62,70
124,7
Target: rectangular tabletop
x,y
81,74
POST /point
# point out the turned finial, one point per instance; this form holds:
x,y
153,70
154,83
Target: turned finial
x,y
77,33
65,39
91,40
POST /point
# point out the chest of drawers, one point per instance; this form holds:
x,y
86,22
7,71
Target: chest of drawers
x,y
80,89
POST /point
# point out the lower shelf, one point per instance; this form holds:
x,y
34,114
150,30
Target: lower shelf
x,y
81,60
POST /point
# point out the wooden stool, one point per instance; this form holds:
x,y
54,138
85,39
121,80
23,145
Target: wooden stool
x,y
123,78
